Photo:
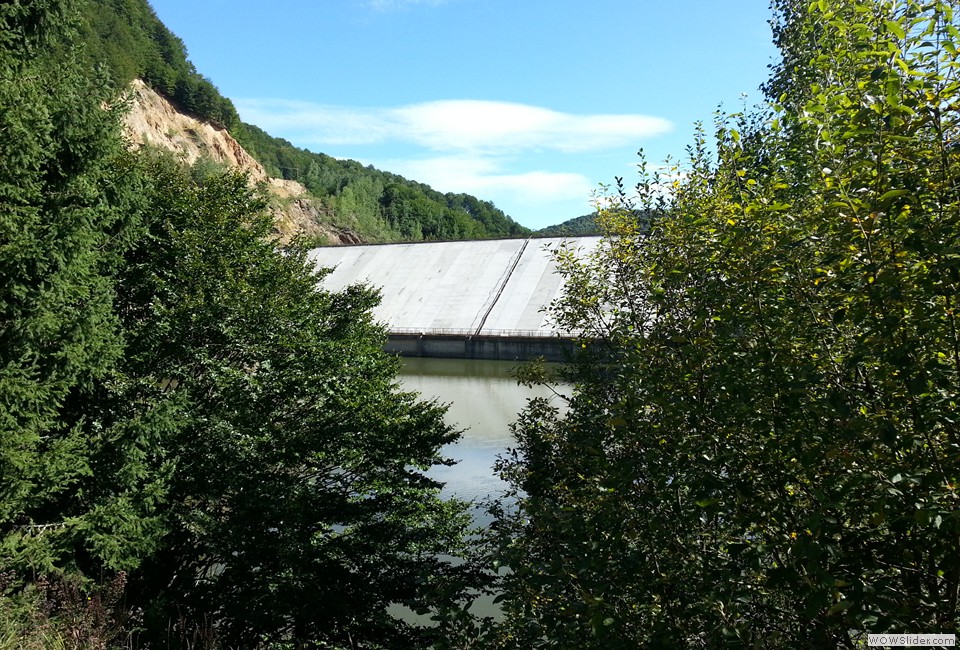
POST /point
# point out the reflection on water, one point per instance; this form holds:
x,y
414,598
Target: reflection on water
x,y
484,400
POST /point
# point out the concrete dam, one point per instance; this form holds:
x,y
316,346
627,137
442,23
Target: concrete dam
x,y
467,299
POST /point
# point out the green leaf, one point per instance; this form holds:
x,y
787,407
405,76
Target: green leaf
x,y
840,607
887,198
895,28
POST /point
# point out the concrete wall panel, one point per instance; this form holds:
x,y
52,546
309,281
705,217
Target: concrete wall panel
x,y
453,287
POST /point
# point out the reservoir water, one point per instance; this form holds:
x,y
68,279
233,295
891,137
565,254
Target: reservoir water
x,y
484,399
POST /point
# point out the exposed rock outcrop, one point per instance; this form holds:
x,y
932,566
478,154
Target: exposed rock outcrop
x,y
154,120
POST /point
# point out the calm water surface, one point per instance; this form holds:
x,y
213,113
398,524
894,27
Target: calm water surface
x,y
484,400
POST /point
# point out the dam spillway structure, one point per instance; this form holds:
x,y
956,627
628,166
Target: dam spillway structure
x,y
481,299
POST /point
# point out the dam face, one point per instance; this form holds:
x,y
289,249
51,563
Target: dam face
x,y
474,299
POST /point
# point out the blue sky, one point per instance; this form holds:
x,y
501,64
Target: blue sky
x,y
530,104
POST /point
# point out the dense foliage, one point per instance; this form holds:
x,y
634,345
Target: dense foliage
x,y
588,225
127,38
583,225
64,220
295,482
198,448
762,446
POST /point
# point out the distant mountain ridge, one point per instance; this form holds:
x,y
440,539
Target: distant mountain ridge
x,y
330,200
583,225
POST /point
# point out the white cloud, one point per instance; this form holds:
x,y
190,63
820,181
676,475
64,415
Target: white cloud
x,y
317,123
490,177
473,125
489,149
469,126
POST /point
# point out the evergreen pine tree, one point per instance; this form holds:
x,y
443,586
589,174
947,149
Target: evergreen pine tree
x,y
61,227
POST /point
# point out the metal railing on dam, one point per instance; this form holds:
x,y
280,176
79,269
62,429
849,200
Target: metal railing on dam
x,y
474,299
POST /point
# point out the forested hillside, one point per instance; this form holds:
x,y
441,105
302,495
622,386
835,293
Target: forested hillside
x,y
130,41
385,206
585,225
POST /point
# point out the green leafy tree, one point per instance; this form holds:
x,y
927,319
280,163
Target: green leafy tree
x,y
761,446
298,509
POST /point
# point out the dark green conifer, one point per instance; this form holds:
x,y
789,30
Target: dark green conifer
x,y
61,225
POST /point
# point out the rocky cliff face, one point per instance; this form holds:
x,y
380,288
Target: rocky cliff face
x,y
154,120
